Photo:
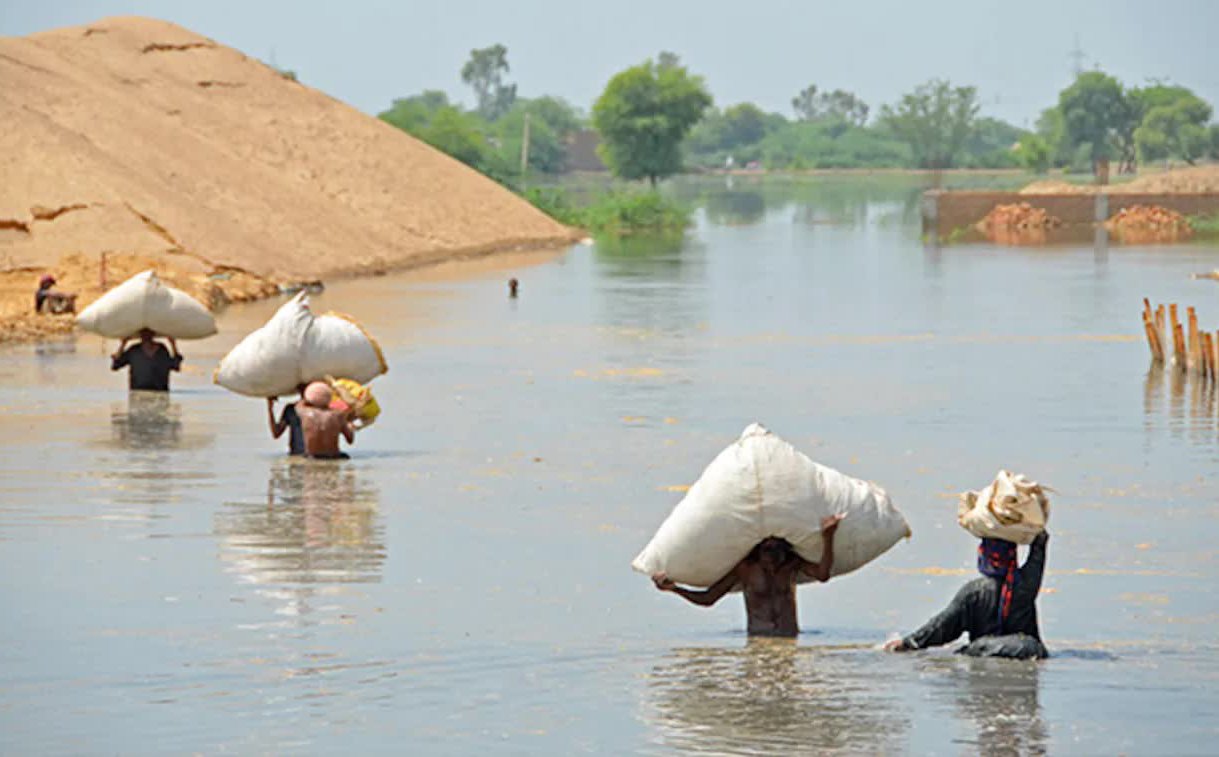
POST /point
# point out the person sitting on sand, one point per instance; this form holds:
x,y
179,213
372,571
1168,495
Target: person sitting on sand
x,y
767,577
288,421
46,299
149,361
998,610
321,425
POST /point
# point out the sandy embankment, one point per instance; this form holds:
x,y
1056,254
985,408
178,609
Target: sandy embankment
x,y
161,148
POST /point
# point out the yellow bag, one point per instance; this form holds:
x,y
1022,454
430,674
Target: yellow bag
x,y
358,396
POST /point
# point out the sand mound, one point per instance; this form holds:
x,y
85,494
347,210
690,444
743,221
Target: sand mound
x,y
137,136
1018,216
1193,180
1148,223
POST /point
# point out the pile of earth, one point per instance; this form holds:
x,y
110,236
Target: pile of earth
x,y
1148,223
137,138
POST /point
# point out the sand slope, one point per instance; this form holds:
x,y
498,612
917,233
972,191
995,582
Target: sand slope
x,y
138,136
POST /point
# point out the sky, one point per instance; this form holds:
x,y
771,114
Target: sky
x,y
1018,53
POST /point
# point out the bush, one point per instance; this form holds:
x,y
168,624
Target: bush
x,y
612,212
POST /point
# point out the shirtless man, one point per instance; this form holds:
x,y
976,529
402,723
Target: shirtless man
x,y
767,577
322,426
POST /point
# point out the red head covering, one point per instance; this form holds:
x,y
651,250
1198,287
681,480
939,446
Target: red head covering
x,y
46,281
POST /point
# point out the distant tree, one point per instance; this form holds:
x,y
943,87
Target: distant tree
x,y
805,104
935,120
413,114
484,72
667,60
991,143
1172,123
551,122
1095,114
1034,153
1213,151
643,115
837,106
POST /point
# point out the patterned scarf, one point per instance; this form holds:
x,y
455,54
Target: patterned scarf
x,y
997,559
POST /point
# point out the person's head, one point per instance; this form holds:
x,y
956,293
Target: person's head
x,y
996,557
318,394
146,335
46,282
512,287
771,551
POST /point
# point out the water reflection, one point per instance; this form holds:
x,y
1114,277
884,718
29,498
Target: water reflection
x,y
735,208
998,697
319,523
645,257
1184,401
149,420
790,699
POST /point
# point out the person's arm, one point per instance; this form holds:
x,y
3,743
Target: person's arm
x,y
820,571
277,427
175,356
349,432
119,358
944,628
704,598
1031,572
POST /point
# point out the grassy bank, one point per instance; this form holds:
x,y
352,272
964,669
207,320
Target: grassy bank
x,y
1204,226
612,212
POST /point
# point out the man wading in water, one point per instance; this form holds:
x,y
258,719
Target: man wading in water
x,y
767,577
998,611
288,421
149,361
321,425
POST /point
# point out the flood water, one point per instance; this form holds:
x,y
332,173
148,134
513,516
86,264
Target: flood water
x,y
173,583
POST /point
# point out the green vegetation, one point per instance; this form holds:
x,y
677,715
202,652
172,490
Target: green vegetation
x,y
614,212
1207,226
934,120
643,116
484,72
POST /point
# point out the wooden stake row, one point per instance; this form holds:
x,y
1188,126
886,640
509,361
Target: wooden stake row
x,y
1193,350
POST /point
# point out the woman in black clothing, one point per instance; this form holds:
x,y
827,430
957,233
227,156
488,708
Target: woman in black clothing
x,y
998,611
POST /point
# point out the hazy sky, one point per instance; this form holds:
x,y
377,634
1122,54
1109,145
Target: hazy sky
x,y
1017,53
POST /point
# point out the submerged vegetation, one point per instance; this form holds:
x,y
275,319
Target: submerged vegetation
x,y
613,212
1204,225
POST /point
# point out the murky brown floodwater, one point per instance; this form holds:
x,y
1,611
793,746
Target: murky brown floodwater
x,y
173,583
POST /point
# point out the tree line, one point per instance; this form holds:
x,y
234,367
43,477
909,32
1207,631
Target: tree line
x,y
657,118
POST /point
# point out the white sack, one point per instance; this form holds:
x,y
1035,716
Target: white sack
x,y
761,486
296,347
144,302
1012,508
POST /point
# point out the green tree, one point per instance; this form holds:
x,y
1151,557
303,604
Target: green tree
x,y
643,115
839,106
1095,114
1172,123
484,72
991,144
551,122
934,120
1034,153
413,114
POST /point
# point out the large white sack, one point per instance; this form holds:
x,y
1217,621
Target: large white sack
x,y
762,486
1012,507
145,302
296,347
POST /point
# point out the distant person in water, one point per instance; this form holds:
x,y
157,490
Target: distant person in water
x,y
513,285
290,421
322,426
998,610
149,362
767,577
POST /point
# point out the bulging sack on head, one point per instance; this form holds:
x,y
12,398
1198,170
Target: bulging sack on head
x,y
1012,508
145,302
761,486
356,396
296,347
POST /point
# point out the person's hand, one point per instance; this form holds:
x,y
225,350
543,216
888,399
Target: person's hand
x,y
895,645
829,524
173,344
271,401
663,582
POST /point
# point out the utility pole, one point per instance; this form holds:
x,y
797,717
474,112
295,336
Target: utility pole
x,y
525,151
1077,57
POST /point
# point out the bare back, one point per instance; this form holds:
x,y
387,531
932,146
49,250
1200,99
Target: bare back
x,y
322,428
770,596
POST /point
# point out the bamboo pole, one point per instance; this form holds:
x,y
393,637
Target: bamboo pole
x,y
1208,355
1160,323
1195,348
1178,346
1146,308
1153,341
